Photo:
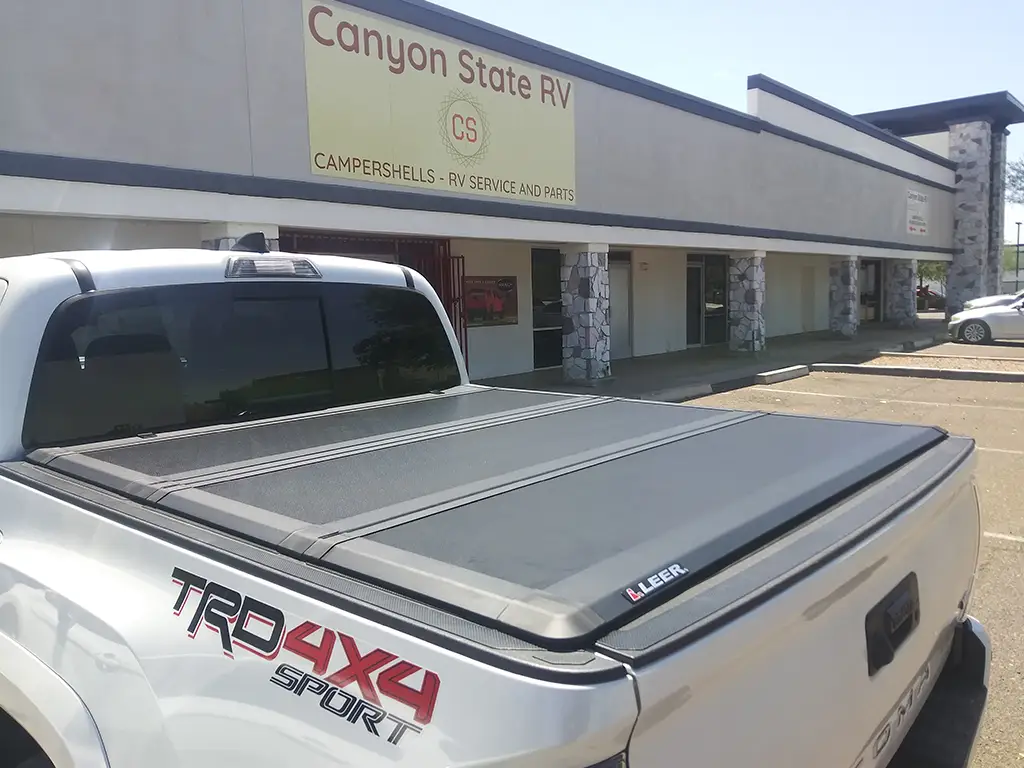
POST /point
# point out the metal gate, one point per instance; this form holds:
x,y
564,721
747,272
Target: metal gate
x,y
446,274
454,277
431,258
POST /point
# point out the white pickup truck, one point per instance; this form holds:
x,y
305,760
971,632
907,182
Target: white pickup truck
x,y
254,514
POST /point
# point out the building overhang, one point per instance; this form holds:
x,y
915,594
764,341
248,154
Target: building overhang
x,y
999,109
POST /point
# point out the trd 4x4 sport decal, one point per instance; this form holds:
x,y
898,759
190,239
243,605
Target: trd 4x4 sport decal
x,y
241,621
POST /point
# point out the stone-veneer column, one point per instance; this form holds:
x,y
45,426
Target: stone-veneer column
x,y
586,352
997,209
899,288
222,236
843,296
746,301
970,146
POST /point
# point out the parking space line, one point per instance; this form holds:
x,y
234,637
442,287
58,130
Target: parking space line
x,y
1001,450
1004,537
888,400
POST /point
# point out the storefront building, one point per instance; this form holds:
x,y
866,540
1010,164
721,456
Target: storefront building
x,y
568,215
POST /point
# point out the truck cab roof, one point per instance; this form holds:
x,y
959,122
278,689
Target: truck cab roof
x,y
139,268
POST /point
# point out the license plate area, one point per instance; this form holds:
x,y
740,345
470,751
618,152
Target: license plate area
x,y
892,620
892,729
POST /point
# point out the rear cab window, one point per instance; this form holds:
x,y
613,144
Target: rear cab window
x,y
124,363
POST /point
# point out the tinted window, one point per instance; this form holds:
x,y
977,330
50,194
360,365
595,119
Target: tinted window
x,y
130,362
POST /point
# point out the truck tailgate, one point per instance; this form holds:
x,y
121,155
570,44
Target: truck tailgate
x,y
822,647
552,518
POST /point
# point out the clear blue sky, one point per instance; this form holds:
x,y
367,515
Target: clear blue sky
x,y
857,56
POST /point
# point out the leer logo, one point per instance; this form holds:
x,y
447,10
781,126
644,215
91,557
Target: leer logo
x,y
654,582
464,128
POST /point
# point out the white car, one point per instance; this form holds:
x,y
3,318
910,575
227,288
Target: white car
x,y
999,300
994,322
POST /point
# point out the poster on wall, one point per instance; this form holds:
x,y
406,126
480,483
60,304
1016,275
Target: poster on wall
x,y
917,212
394,104
491,301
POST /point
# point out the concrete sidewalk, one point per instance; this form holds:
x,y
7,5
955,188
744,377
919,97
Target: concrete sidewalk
x,y
678,376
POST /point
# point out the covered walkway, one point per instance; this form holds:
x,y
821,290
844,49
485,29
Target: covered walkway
x,y
679,375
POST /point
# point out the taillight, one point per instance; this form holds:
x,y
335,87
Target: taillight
x,y
270,266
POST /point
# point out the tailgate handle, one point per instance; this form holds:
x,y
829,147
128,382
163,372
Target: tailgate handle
x,y
888,625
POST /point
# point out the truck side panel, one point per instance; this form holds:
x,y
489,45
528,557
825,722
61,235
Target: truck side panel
x,y
805,651
184,661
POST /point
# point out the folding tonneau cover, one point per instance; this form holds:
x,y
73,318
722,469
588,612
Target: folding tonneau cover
x,y
552,517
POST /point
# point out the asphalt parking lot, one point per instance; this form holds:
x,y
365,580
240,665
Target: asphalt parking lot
x,y
993,414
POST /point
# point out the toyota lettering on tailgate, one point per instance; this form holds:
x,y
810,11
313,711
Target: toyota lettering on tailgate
x,y
327,665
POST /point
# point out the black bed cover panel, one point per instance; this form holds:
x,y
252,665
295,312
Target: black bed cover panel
x,y
554,517
213,448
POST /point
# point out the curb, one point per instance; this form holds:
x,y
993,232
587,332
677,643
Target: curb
x,y
893,352
679,394
782,374
916,344
913,345
912,356
692,391
682,394
920,373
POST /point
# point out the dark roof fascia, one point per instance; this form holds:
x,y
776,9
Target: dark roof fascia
x,y
775,88
87,170
999,109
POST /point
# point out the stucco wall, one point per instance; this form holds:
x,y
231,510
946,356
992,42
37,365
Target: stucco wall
x,y
796,293
22,235
933,142
658,305
785,113
221,87
659,301
499,351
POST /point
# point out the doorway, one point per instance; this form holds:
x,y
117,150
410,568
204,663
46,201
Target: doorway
x,y
707,302
694,305
809,299
546,281
620,291
870,281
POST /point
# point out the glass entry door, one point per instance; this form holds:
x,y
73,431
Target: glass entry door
x,y
870,282
716,287
694,305
547,307
707,299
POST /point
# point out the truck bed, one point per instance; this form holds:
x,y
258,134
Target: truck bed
x,y
557,519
